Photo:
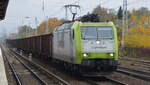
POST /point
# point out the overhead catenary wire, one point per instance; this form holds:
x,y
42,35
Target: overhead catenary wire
x,y
132,3
61,10
56,13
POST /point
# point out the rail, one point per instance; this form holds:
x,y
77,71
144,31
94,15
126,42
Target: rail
x,y
43,69
27,67
16,76
116,82
134,73
139,61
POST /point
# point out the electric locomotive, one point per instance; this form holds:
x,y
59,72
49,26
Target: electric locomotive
x,y
90,46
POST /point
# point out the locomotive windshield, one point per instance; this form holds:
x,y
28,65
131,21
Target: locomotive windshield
x,y
97,32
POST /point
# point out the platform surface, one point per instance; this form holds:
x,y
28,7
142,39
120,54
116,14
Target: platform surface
x,y
3,78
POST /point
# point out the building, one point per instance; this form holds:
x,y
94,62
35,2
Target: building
x,y
3,7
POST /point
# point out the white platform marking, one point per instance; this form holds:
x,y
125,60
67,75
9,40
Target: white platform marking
x,y
3,79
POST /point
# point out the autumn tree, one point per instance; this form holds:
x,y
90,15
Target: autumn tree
x,y
139,29
142,11
104,14
24,31
52,23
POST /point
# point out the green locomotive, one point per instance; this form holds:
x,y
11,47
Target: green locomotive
x,y
92,46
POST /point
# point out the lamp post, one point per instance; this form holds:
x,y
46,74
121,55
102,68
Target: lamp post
x,y
27,18
36,23
46,17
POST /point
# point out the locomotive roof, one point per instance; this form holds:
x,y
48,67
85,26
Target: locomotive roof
x,y
64,26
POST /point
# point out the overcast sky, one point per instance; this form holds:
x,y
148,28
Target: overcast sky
x,y
18,10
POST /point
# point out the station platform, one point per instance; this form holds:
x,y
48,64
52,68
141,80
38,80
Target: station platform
x,y
3,78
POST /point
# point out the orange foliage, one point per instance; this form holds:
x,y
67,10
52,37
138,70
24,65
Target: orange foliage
x,y
52,23
133,17
139,33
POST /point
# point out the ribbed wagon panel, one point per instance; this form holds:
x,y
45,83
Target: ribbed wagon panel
x,y
38,45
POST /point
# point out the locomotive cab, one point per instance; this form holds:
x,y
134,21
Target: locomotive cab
x,y
97,46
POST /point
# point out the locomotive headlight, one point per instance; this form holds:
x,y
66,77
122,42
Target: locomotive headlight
x,y
111,54
85,55
98,42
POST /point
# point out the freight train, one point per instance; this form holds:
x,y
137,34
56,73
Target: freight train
x,y
87,47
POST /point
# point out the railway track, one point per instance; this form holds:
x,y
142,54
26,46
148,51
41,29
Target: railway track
x,y
15,67
57,80
16,76
115,82
92,82
134,73
138,61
